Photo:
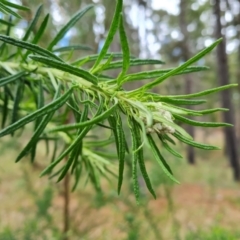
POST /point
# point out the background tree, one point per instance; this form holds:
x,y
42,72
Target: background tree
x,y
186,55
223,75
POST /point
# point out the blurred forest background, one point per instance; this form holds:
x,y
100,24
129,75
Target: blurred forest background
x,y
207,203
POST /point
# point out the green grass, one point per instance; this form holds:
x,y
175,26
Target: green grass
x,y
216,233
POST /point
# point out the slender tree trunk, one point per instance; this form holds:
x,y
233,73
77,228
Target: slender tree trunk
x,y
66,197
188,81
66,204
237,27
223,76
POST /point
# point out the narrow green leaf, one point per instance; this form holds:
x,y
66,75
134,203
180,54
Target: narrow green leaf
x,y
135,160
76,141
203,93
66,68
54,105
90,58
181,101
73,48
94,120
13,5
9,79
132,62
68,26
112,31
157,73
17,99
101,67
125,49
40,126
29,46
74,149
98,143
7,10
77,177
208,111
33,23
106,154
46,140
39,34
77,113
121,146
2,21
180,68
168,148
74,106
35,136
140,159
41,95
160,159
55,149
33,152
201,124
180,110
103,77
167,138
68,164
8,31
113,122
56,173
78,155
41,30
5,107
193,143
94,177
84,115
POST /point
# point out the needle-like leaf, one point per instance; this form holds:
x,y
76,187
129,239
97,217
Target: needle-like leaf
x,y
135,159
38,131
54,105
157,73
39,34
203,93
138,154
132,62
9,79
13,5
29,46
94,120
180,68
7,10
66,68
160,159
125,50
112,31
193,143
68,26
73,48
201,124
168,148
33,23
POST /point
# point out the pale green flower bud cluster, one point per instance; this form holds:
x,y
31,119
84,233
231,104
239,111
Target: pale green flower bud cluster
x,y
158,113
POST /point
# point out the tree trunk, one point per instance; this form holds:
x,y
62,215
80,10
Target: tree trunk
x,y
223,76
237,27
66,212
188,81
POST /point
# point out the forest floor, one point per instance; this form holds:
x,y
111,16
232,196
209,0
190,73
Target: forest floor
x,y
207,200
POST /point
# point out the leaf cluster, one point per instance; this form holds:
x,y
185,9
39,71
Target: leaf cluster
x,y
68,103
